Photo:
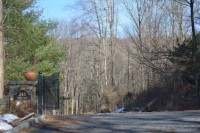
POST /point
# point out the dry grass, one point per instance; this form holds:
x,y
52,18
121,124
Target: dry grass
x,y
24,108
60,122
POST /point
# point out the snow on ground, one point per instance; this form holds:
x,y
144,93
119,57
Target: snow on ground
x,y
120,110
5,119
9,117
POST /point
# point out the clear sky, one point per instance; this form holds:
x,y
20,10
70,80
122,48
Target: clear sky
x,y
55,9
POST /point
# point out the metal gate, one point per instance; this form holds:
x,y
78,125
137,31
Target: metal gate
x,y
51,92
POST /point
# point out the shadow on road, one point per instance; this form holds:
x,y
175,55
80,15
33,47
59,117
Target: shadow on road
x,y
155,122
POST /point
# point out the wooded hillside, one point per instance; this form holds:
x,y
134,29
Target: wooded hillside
x,y
156,57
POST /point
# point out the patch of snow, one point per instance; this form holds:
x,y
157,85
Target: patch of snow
x,y
5,126
120,110
1,118
9,117
5,119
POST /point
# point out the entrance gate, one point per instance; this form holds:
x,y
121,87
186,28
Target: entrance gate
x,y
48,92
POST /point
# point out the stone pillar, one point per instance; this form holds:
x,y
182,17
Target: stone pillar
x,y
29,87
22,95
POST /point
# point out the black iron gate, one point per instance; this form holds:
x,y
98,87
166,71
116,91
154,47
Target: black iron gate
x,y
51,92
48,93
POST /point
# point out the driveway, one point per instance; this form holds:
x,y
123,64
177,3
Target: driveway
x,y
153,122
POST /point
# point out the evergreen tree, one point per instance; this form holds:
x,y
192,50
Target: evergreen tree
x,y
29,46
182,56
182,53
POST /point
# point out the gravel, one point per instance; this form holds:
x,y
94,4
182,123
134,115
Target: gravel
x,y
144,122
184,122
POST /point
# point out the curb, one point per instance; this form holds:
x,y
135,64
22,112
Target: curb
x,y
26,124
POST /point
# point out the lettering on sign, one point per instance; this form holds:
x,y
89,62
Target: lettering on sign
x,y
22,95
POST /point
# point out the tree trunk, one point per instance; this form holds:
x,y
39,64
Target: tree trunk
x,y
67,105
72,111
142,78
128,72
111,24
1,52
73,100
77,103
105,62
194,45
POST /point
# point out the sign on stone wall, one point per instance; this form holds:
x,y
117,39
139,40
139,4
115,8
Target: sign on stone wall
x,y
22,90
22,95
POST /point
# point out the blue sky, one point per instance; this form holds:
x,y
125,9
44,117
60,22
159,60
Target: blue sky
x,y
55,9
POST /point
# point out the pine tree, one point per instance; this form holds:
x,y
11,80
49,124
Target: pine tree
x,y
29,44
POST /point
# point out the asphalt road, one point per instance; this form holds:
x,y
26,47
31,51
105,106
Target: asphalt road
x,y
154,122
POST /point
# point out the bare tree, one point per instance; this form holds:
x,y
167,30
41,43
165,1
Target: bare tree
x,y
1,52
112,19
194,44
98,58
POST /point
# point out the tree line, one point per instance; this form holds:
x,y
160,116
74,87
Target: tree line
x,y
156,57
104,63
